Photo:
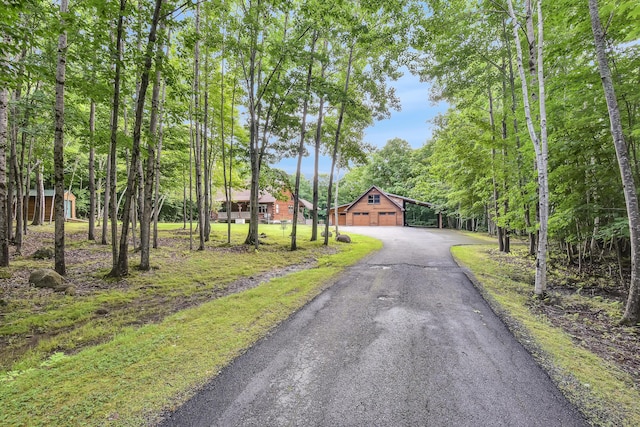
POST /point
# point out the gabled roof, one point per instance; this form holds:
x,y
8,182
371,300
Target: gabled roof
x,y
307,204
373,187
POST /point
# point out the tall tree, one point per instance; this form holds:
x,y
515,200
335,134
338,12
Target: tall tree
x,y
317,142
632,309
110,199
92,171
336,141
197,148
122,267
145,220
539,140
303,131
58,148
4,223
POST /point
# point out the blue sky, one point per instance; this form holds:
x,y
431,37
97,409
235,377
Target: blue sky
x,y
413,123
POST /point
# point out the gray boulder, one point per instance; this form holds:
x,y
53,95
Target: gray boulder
x,y
330,234
343,238
43,253
47,278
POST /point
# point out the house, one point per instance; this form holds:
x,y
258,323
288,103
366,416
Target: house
x,y
69,204
342,215
376,207
270,208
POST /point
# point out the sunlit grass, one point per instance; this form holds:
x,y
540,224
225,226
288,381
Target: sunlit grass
x,y
136,372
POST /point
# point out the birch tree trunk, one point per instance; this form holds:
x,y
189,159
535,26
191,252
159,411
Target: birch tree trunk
x,y
58,148
539,143
631,314
4,224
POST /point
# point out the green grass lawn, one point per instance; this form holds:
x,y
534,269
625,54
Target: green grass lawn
x,y
604,393
137,372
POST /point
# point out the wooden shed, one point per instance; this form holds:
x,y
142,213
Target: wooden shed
x,y
69,205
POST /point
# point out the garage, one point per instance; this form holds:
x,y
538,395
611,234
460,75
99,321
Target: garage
x,y
361,218
378,208
386,218
342,218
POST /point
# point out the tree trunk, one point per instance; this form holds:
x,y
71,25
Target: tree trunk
x,y
156,211
303,131
334,153
13,167
631,314
58,148
496,195
197,152
122,268
92,171
18,177
38,212
205,153
111,201
539,143
226,182
318,140
4,224
145,220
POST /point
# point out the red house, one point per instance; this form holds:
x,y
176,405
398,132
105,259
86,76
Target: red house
x,y
376,207
270,208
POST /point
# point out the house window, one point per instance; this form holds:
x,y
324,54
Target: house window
x,y
374,199
262,209
277,208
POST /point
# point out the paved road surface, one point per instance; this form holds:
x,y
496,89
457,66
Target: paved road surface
x,y
403,339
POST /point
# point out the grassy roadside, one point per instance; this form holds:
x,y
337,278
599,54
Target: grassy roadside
x,y
141,372
36,323
605,394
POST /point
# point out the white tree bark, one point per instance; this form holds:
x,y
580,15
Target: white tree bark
x,y
632,310
539,142
4,225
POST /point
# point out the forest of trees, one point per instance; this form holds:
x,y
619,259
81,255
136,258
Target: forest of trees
x,y
142,107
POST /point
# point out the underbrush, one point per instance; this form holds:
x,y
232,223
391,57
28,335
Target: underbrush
x,y
573,331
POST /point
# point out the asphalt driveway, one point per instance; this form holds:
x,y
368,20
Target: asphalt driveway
x,y
402,339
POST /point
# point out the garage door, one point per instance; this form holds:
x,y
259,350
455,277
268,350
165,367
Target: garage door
x,y
361,218
342,219
386,218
